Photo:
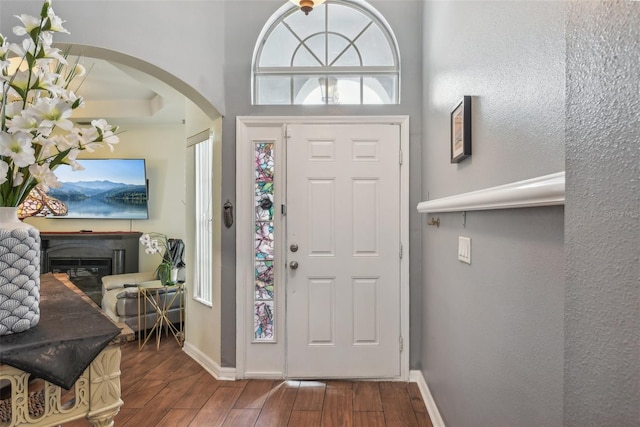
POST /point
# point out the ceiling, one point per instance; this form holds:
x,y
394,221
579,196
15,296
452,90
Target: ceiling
x,y
124,96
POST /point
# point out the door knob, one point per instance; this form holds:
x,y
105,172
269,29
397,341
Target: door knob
x,y
293,265
293,247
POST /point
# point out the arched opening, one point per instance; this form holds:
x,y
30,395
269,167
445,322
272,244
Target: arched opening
x,y
158,114
147,75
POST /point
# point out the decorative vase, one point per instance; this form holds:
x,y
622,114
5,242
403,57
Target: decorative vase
x,y
164,273
174,276
19,273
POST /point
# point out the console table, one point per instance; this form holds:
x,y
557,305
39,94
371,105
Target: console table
x,y
74,352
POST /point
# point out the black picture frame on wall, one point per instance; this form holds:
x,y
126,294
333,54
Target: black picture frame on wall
x,y
461,130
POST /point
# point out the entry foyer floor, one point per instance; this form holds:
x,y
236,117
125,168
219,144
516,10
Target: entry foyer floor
x,y
168,388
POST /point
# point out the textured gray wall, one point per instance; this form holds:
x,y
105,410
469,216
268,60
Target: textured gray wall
x,y
244,21
169,35
492,334
510,57
602,234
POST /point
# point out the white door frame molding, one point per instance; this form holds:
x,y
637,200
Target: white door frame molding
x,y
245,238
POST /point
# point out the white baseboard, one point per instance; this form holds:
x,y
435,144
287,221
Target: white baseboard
x,y
218,372
417,377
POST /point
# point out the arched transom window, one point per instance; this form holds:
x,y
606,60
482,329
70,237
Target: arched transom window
x,y
343,52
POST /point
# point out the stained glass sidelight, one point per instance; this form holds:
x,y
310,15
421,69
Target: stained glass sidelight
x,y
264,280
264,240
264,162
263,320
264,201
264,295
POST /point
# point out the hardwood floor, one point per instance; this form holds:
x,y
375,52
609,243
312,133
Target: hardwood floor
x,y
168,388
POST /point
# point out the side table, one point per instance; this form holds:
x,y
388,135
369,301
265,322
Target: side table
x,y
71,384
156,295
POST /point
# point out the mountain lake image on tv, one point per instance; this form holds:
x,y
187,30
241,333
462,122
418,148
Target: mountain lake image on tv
x,y
105,189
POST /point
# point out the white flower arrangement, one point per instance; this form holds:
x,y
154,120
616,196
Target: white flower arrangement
x,y
154,243
36,103
158,243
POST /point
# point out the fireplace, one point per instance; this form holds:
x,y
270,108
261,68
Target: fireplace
x,y
87,256
86,274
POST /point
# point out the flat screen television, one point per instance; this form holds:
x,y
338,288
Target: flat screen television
x,y
105,189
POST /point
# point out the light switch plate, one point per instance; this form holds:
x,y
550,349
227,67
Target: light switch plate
x,y
464,249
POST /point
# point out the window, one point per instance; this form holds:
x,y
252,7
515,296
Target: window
x,y
343,52
203,276
263,303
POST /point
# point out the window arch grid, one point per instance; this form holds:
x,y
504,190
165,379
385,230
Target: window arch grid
x,y
306,47
283,84
325,70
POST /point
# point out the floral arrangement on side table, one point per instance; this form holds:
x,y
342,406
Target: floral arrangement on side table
x,y
158,243
36,103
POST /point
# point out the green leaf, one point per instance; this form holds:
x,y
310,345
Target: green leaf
x,y
36,84
46,24
30,59
21,92
34,34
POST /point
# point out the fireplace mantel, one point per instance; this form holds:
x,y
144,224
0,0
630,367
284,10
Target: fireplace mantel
x,y
119,246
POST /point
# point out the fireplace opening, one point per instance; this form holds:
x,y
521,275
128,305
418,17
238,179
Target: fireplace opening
x,y
86,274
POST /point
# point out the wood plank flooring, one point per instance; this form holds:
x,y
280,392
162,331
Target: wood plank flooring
x,y
168,388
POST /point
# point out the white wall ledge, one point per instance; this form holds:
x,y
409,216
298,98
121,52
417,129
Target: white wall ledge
x,y
547,190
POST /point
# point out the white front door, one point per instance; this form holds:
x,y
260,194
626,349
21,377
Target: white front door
x,y
342,250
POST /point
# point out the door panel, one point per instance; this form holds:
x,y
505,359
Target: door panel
x,y
320,306
343,213
321,198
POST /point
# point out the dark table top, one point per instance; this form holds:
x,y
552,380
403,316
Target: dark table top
x,y
70,334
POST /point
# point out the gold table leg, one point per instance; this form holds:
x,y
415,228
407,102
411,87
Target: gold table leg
x,y
162,315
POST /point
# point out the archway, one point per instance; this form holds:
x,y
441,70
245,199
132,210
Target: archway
x,y
169,171
145,68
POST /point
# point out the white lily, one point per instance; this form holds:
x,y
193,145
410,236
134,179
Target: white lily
x,y
4,172
18,178
27,46
71,160
22,124
36,97
53,113
30,24
45,176
63,142
18,148
20,81
53,53
56,22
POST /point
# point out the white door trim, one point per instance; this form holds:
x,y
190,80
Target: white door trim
x,y
245,236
